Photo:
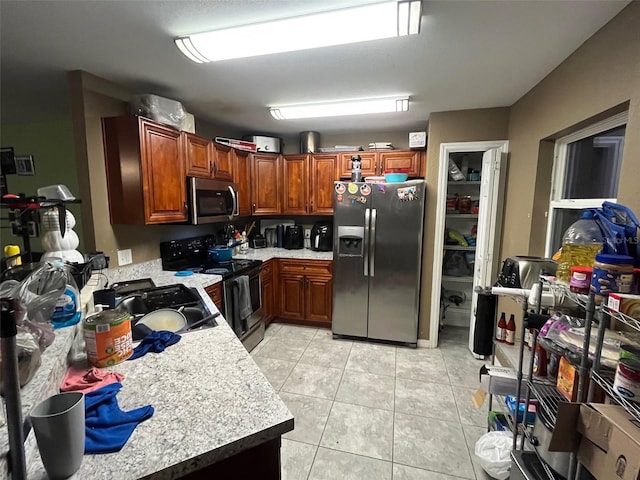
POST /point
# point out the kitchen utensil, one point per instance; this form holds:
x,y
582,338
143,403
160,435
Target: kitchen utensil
x,y
164,319
198,323
309,142
220,254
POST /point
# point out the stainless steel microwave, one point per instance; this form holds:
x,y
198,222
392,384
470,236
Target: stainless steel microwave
x,y
212,200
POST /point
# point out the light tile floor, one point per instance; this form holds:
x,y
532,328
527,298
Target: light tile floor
x,y
370,411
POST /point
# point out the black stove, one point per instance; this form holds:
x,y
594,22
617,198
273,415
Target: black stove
x,y
191,254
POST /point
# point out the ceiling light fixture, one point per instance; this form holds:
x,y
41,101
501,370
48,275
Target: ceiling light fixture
x,y
336,109
339,27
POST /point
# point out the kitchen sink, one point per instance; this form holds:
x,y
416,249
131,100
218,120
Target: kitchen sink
x,y
179,297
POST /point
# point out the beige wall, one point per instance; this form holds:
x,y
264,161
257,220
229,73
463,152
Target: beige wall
x,y
599,79
602,74
91,99
444,127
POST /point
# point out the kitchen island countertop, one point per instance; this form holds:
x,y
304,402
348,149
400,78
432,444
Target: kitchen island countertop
x,y
211,402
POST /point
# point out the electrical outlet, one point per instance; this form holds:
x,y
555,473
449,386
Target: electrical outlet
x,y
307,233
124,257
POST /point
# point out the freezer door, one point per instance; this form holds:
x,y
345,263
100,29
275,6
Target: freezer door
x,y
350,254
395,261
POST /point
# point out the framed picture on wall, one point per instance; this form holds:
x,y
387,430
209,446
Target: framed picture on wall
x,y
24,165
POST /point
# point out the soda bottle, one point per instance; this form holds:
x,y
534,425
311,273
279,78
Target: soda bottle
x,y
581,243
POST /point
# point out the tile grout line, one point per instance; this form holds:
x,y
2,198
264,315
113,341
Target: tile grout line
x,y
393,418
333,401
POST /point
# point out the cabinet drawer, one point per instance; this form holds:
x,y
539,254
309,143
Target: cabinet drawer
x,y
215,293
266,273
317,267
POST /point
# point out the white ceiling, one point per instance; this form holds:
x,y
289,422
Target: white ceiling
x,y
470,54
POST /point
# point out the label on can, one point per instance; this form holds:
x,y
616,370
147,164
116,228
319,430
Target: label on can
x,y
627,379
108,338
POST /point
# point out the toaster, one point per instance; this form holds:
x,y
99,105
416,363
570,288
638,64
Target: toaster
x,y
524,272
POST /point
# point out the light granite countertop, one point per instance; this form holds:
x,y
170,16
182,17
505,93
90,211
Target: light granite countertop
x,y
265,254
211,400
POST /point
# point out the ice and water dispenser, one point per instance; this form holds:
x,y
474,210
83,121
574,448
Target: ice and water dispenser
x,y
350,241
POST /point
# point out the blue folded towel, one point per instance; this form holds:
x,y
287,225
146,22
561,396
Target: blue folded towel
x,y
155,342
108,428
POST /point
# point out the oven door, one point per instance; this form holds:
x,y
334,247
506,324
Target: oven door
x,y
232,305
212,200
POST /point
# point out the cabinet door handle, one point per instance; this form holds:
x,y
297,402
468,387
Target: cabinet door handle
x,y
215,168
186,206
254,208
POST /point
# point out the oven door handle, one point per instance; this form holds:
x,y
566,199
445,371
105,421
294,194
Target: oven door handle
x,y
235,212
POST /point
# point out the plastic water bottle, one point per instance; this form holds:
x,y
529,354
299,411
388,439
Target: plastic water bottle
x,y
581,243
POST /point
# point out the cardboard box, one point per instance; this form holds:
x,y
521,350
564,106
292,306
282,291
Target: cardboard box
x,y
625,303
605,437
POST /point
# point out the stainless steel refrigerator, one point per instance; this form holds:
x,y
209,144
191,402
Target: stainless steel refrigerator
x,y
377,256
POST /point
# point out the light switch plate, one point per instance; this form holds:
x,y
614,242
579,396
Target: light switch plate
x,y
124,257
307,233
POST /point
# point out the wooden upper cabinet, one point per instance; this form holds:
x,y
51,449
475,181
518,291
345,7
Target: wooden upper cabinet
x,y
222,162
409,159
295,184
198,155
368,164
322,174
242,178
146,175
375,163
265,185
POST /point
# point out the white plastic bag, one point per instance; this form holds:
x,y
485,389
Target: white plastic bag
x,y
493,450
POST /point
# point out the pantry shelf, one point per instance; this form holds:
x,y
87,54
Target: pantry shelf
x,y
462,215
562,289
459,247
605,381
465,182
548,396
626,319
450,278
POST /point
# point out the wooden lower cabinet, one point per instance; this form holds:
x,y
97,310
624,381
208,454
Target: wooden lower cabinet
x,y
268,290
216,295
305,291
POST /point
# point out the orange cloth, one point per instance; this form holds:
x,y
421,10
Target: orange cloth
x,y
88,380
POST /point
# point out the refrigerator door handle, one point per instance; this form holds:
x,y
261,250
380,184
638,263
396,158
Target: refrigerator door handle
x,y
367,218
372,241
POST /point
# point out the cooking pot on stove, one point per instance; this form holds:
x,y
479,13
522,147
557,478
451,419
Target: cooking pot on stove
x,y
220,254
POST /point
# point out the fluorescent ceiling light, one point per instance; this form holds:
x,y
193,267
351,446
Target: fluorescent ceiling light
x,y
336,109
339,27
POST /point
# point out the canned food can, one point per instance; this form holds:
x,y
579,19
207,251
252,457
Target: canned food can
x,y
627,379
108,338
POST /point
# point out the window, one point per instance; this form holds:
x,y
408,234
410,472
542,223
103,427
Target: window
x,y
586,172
